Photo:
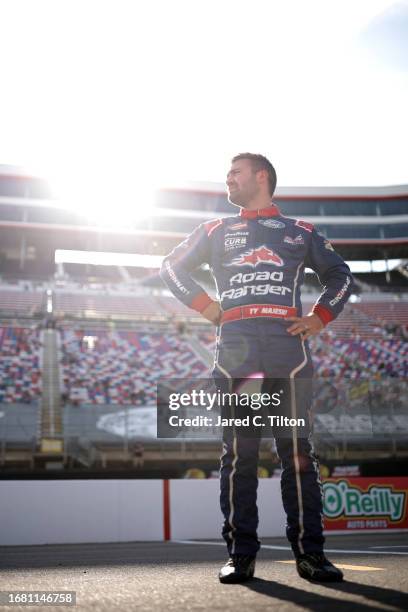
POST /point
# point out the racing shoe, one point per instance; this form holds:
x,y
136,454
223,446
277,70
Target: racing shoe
x,y
238,568
315,566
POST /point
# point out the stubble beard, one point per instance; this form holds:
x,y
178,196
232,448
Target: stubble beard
x,y
240,199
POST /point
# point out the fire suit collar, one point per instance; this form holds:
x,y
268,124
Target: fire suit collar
x,y
269,211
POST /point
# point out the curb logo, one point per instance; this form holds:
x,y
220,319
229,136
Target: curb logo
x,y
344,500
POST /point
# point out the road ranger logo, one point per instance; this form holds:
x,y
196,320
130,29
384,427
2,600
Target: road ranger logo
x,y
250,277
344,500
257,284
257,256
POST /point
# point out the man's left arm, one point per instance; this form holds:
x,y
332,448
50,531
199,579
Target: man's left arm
x,y
337,281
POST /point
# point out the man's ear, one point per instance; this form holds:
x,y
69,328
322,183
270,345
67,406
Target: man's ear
x,y
263,174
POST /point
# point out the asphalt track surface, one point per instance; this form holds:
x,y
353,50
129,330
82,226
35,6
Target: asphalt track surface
x,y
176,576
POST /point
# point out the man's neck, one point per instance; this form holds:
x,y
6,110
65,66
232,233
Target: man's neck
x,y
259,203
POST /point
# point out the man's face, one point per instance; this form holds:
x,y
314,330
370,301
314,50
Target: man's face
x,y
242,184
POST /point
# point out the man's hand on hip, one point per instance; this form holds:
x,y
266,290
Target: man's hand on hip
x,y
307,326
213,313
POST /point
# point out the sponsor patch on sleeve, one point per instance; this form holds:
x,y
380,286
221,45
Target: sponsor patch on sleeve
x,y
210,226
305,225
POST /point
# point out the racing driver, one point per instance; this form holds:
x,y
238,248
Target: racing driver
x,y
257,259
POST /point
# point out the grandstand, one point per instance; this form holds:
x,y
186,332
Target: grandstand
x,y
83,345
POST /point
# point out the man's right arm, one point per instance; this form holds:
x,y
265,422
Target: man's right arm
x,y
181,262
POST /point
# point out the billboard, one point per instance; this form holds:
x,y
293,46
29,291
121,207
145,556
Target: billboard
x,y
355,503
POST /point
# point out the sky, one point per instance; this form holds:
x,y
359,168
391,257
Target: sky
x,y
111,99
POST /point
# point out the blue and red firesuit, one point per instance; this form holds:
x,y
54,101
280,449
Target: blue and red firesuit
x,y
257,259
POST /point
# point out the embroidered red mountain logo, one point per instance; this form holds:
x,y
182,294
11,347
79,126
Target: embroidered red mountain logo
x,y
257,256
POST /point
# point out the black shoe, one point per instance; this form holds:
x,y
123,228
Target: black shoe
x,y
239,568
316,567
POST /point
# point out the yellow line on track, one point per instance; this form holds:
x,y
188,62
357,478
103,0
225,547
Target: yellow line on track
x,y
357,568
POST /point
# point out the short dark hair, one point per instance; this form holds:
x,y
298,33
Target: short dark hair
x,y
260,162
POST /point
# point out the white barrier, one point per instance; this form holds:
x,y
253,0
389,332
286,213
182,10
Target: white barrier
x,y
75,511
195,510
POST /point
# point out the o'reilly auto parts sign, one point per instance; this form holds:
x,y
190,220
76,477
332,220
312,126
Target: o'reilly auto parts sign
x,y
365,503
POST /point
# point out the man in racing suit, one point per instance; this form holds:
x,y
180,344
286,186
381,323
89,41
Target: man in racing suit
x,y
257,259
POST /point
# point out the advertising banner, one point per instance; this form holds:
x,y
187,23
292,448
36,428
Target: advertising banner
x,y
355,503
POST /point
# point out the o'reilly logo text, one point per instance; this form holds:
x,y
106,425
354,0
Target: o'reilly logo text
x,y
341,499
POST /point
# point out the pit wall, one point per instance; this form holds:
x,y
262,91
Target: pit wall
x,y
78,511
